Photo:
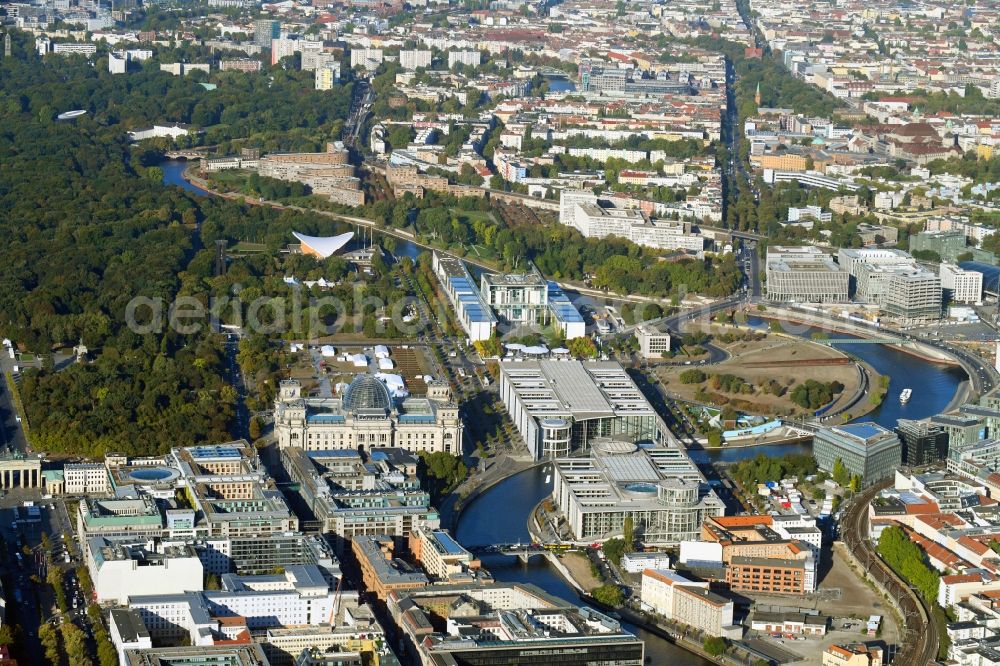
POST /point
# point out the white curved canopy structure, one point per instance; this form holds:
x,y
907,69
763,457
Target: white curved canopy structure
x,y
323,246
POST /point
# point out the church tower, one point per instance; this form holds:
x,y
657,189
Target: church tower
x,y
756,97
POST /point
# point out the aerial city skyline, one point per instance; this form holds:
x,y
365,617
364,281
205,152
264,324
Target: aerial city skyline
x,y
467,332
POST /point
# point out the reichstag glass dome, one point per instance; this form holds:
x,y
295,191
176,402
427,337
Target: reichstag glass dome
x,y
366,392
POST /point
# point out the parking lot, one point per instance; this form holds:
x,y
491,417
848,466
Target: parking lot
x,y
809,651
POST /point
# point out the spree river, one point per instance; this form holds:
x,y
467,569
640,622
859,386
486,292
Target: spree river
x,y
500,515
173,174
933,387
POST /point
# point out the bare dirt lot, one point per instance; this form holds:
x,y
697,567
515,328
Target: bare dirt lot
x,y
409,363
779,359
841,596
579,567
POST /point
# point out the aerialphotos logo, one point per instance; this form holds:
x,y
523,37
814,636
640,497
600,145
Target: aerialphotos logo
x,y
310,316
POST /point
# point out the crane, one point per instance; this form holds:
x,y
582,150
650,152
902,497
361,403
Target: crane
x,y
336,602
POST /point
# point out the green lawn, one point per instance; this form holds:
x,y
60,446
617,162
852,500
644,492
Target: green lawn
x,y
472,215
246,247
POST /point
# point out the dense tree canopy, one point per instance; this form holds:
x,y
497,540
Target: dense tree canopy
x,y
89,226
906,558
273,110
558,251
760,469
812,394
440,473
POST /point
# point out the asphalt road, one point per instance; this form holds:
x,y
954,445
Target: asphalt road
x,y
11,435
241,428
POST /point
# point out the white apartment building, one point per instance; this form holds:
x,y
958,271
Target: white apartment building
x,y
139,55
85,478
369,59
309,49
809,213
117,62
964,286
377,139
413,59
579,209
69,48
652,341
470,58
639,562
657,589
887,200
184,68
568,199
605,154
706,610
669,594
313,59
666,235
283,47
799,527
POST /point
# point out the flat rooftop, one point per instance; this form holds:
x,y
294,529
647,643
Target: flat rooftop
x,y
572,388
393,572
866,432
216,655
513,279
130,625
629,478
229,451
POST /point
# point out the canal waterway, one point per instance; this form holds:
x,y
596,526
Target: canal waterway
x,y
558,84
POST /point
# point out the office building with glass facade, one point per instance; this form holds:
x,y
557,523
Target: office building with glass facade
x,y
868,450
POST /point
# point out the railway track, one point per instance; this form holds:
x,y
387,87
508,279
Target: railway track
x,y
918,641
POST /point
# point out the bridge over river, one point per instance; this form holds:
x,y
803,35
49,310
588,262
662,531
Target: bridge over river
x,y
523,551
